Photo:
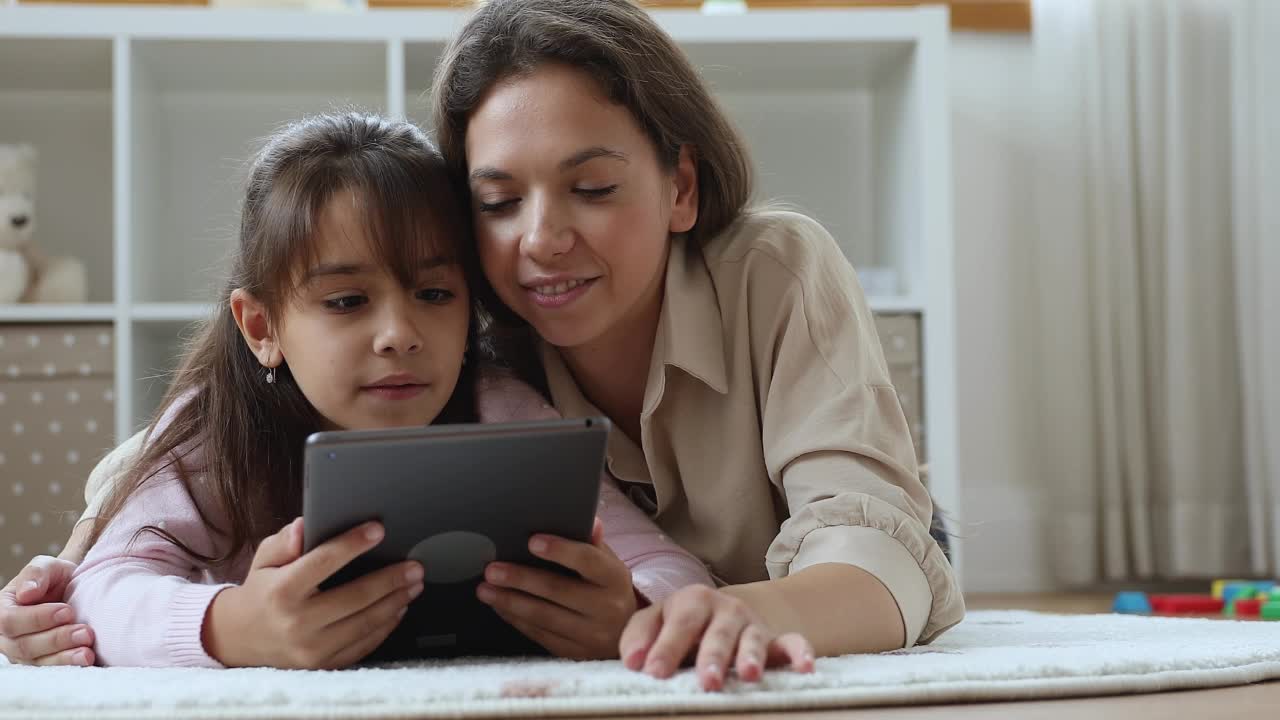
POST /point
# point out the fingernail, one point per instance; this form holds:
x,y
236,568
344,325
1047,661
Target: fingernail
x,y
374,533
80,637
635,659
538,545
81,657
30,585
497,574
64,616
656,668
486,593
415,591
414,573
400,614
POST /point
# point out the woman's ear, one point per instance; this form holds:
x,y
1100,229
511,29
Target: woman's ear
x,y
684,206
255,327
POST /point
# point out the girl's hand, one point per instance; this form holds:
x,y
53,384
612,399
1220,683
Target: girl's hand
x,y
580,618
278,617
36,627
722,628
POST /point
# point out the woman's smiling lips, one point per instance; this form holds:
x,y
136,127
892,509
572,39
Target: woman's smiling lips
x,y
558,291
400,386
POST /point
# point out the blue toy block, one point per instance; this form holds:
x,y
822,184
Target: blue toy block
x,y
1131,603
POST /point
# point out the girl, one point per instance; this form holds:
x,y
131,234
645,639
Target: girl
x,y
731,346
348,307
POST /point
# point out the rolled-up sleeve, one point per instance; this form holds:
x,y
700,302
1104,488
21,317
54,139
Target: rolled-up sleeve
x,y
837,444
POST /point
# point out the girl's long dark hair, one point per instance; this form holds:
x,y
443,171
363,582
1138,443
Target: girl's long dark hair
x,y
235,441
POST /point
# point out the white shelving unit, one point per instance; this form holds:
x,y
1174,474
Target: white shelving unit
x,y
144,118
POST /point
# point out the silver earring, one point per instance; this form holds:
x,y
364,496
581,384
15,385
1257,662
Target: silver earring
x,y
465,350
271,376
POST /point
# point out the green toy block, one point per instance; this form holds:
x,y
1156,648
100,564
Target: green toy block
x,y
1271,610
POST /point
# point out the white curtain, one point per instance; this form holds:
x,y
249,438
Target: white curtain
x,y
1158,263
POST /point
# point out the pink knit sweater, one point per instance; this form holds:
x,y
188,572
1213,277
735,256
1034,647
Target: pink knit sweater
x,y
146,600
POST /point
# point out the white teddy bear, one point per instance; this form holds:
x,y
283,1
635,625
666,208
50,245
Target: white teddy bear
x,y
25,274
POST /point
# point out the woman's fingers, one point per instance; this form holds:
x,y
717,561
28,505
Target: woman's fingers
x,y
717,649
683,623
791,649
753,649
80,656
638,636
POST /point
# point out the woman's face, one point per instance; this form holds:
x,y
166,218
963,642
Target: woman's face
x,y
573,210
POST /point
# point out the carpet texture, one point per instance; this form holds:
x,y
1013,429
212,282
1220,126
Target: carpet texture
x,y
992,655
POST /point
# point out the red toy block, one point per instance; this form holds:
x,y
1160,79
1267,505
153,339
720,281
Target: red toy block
x,y
1247,608
1186,604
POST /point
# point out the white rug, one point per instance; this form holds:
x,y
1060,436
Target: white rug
x,y
990,656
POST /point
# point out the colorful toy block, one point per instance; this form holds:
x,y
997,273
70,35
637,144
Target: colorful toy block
x,y
1131,603
1218,585
1271,611
1242,608
1185,603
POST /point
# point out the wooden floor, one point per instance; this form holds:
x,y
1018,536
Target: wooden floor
x,y
1251,701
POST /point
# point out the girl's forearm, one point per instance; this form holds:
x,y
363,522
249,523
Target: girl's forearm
x,y
78,544
840,608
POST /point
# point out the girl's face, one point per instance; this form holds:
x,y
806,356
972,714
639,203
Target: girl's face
x,y
366,351
573,211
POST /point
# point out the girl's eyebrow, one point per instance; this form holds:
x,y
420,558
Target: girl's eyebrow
x,y
326,269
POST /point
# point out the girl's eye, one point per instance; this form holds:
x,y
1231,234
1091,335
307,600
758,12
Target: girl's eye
x,y
346,303
596,193
435,295
497,207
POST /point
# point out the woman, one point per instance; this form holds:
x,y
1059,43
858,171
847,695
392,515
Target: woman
x,y
732,347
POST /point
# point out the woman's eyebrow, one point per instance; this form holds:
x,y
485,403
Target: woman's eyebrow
x,y
573,161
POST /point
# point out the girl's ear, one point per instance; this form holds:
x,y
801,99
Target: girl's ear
x,y
255,327
684,206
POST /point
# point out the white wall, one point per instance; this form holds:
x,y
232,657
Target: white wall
x,y
991,84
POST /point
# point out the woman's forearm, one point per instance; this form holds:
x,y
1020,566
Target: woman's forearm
x,y
840,608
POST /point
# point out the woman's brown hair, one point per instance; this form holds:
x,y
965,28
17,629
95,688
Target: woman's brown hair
x,y
239,438
636,64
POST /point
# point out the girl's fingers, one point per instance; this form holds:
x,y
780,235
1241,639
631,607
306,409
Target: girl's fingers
x,y
335,604
793,649
43,580
638,636
596,564
80,656
576,595
557,645
717,649
279,549
349,640
313,568
535,612
753,648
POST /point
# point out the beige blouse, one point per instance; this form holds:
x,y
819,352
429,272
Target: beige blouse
x,y
771,437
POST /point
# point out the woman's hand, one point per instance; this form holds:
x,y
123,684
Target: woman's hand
x,y
580,618
36,627
724,630
279,617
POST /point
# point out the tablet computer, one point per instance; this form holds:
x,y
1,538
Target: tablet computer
x,y
454,497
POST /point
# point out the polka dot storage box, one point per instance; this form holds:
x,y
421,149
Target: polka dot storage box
x,y
56,420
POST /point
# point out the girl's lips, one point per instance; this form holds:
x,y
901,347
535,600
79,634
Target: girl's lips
x,y
394,392
562,299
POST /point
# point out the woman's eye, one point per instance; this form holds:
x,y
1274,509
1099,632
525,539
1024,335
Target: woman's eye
x,y
346,303
596,193
435,295
497,207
